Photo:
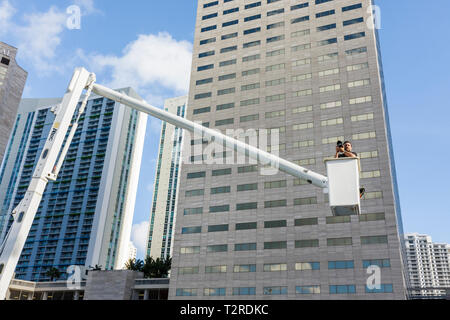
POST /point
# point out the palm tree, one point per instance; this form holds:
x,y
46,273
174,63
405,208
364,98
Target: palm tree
x,y
135,265
158,268
53,273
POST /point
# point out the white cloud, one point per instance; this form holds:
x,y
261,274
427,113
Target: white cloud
x,y
6,12
151,64
39,34
139,237
40,37
87,6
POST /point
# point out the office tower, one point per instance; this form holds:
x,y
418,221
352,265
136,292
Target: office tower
x,y
164,205
428,265
312,70
85,216
12,82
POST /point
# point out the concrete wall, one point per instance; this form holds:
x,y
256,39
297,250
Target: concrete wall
x,y
110,285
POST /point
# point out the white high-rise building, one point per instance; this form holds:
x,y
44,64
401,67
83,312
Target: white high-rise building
x,y
428,265
85,216
132,251
164,205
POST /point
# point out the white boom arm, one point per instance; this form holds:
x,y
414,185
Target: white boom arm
x,y
54,152
46,169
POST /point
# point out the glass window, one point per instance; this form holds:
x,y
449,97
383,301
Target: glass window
x,y
189,211
347,241
228,49
230,23
189,230
214,291
247,187
325,13
218,228
251,44
307,289
244,291
245,268
355,36
186,292
201,110
204,81
229,36
246,206
206,67
341,264
244,246
306,222
253,5
275,245
246,226
217,190
299,6
353,21
257,16
221,172
275,290
209,16
274,267
374,240
216,269
222,208
227,63
274,12
310,243
217,248
210,4
228,11
305,201
193,193
342,289
307,266
352,7
209,28
326,27
300,19
275,224
275,203
194,175
384,288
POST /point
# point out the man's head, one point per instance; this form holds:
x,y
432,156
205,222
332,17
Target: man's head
x,y
347,146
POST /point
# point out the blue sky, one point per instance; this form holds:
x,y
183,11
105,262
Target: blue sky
x,y
113,35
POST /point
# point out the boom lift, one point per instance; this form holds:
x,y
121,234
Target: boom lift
x,y
342,182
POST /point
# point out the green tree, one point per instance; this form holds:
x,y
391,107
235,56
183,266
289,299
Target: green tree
x,y
158,268
135,265
53,273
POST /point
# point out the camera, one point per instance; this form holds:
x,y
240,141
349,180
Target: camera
x,y
340,144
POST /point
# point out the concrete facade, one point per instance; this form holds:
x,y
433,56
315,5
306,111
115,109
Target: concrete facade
x,y
12,83
312,70
105,285
165,190
99,285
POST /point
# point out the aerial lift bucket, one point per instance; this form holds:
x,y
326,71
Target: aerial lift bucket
x,y
343,186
